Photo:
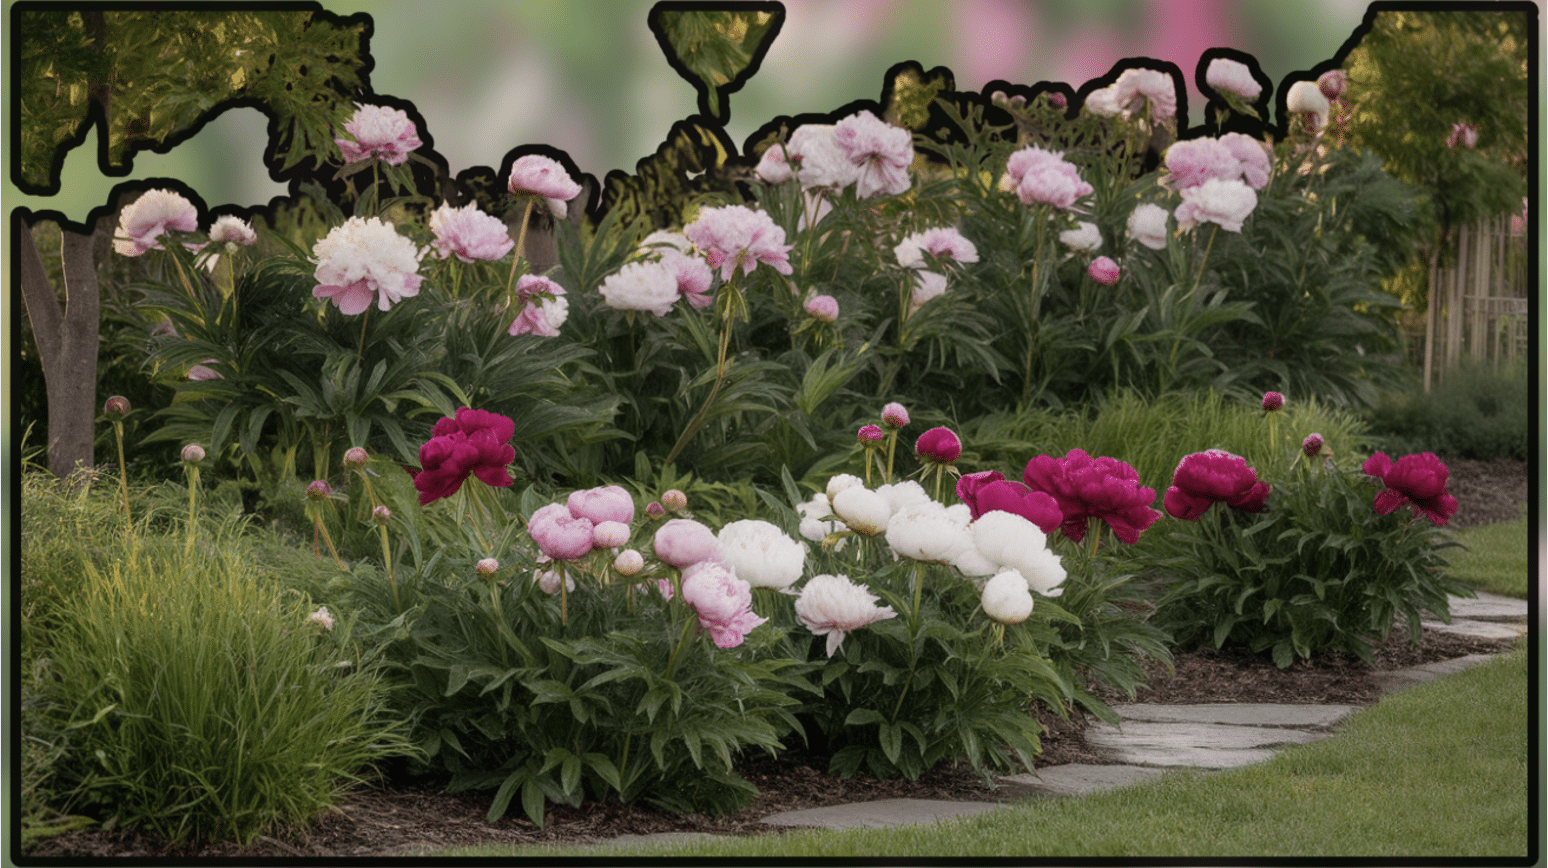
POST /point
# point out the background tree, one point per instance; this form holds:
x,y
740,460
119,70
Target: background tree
x,y
150,79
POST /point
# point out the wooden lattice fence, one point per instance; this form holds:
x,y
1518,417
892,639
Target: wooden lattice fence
x,y
1478,302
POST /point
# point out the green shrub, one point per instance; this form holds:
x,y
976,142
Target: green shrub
x,y
1475,412
199,699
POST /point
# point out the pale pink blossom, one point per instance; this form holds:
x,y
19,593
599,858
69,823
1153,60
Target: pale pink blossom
x,y
1147,225
144,220
893,416
1465,135
674,499
683,542
629,562
1226,203
1252,159
365,259
812,156
694,277
735,236
202,373
1138,86
605,503
321,617
722,601
543,307
822,307
487,567
1103,270
469,234
609,535
381,132
648,286
548,582
1103,102
193,453
1232,76
881,152
832,606
1040,176
559,534
229,229
537,175
1191,162
942,242
927,285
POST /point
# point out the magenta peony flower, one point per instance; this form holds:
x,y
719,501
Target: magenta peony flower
x,y
939,445
1232,76
559,534
1419,479
942,242
881,152
469,233
722,601
832,606
869,434
1333,83
365,259
1311,445
990,491
1204,478
1103,271
735,236
144,220
538,175
605,503
1086,487
1273,401
822,307
894,416
1225,203
379,132
1039,176
683,542
473,443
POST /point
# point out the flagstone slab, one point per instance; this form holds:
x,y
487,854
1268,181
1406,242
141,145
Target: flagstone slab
x,y
1079,779
1202,745
884,813
1477,629
1265,714
1402,679
1487,607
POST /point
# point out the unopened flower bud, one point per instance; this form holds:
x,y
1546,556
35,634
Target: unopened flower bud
x,y
939,445
1312,444
1103,270
382,514
823,307
673,500
487,567
629,562
894,416
655,510
355,457
1056,99
1333,83
319,489
193,453
1273,401
116,406
869,434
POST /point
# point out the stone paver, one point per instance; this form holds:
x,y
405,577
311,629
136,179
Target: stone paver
x,y
1261,714
1201,745
1402,679
1079,779
1487,607
1478,629
879,814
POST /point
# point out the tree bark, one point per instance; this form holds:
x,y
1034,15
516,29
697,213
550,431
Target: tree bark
x,y
67,345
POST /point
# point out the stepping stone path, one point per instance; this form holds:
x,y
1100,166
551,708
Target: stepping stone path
x,y
1153,738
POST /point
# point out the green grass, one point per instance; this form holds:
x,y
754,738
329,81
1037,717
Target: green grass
x,y
1439,771
1495,559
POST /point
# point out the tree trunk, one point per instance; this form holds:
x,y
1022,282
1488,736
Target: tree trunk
x,y
67,345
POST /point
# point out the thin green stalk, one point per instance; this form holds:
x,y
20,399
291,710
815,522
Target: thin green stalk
x,y
688,624
892,441
193,487
913,630
360,350
521,242
123,469
727,314
1034,302
387,566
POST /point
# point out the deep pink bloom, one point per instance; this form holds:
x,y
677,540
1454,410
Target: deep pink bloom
x,y
869,434
1204,478
538,175
473,443
605,503
881,152
1103,270
1039,176
1333,83
1273,401
1086,487
469,234
144,220
894,416
654,509
379,132
991,491
1419,479
735,236
722,601
559,534
1312,444
939,445
683,542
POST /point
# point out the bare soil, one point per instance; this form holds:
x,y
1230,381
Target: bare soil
x,y
389,820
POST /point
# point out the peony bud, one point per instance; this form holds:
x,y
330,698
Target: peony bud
x,y
116,406
1103,271
940,445
629,562
382,514
655,510
1007,598
609,534
193,453
355,457
1273,401
894,416
487,566
1333,83
823,307
1312,444
673,500
869,434
1056,99
318,490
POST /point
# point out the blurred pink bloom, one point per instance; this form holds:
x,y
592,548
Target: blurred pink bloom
x,y
1086,487
1518,220
1056,99
939,445
201,373
144,220
894,416
1147,225
1226,203
1252,159
356,457
537,175
379,132
1312,444
1103,271
1039,176
1465,135
229,229
655,509
683,542
543,307
881,151
1084,238
1191,162
737,236
833,606
1419,479
1232,76
365,259
822,307
1273,401
382,514
1204,478
1333,83
469,233
604,503
868,434
694,277
722,601
472,443
942,242
1137,86
559,534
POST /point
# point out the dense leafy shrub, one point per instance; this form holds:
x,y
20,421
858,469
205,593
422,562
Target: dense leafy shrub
x,y
1475,412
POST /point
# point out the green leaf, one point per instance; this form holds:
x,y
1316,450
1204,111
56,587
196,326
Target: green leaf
x,y
864,717
891,741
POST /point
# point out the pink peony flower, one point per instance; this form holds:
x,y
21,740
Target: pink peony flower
x,y
648,286
1191,162
722,601
1039,176
654,509
927,285
365,259
1232,76
1225,203
543,307
1465,135
812,156
382,514
1418,479
1333,83
1205,478
469,233
989,491
381,132
1312,444
1084,238
893,416
1137,86
605,503
1103,271
939,445
559,534
144,220
233,230
735,236
683,542
869,434
538,175
473,443
694,277
823,307
942,242
1273,401
881,152
1086,487
833,606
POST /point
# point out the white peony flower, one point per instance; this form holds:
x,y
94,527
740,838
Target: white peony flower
x,y
1085,237
366,259
648,286
1226,203
1006,599
833,605
927,285
1011,541
924,531
840,482
1147,225
816,518
906,493
1305,97
761,554
862,510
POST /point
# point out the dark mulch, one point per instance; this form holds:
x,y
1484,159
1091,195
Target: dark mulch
x,y
407,820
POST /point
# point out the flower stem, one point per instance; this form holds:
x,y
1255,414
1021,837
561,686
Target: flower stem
x,y
123,470
681,641
360,350
387,566
521,240
892,440
700,417
193,488
1033,303
564,598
